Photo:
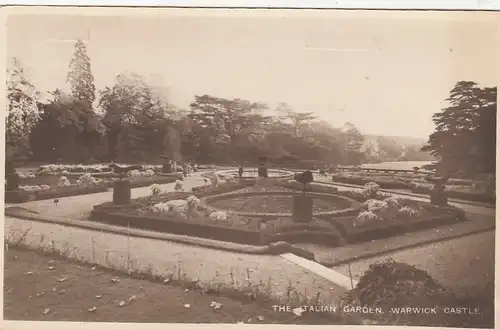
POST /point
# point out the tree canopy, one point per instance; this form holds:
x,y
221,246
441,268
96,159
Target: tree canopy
x,y
465,136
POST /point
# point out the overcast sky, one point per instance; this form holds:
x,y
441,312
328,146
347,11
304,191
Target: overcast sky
x,y
385,72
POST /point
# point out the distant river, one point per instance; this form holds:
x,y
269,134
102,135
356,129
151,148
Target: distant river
x,y
397,165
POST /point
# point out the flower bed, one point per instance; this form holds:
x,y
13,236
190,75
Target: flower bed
x,y
41,187
455,188
429,217
183,213
22,196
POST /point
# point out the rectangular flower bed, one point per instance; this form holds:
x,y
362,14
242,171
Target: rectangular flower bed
x,y
138,215
431,217
22,196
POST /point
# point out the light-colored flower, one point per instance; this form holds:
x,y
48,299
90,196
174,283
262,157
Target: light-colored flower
x,y
63,182
219,216
155,189
365,218
179,185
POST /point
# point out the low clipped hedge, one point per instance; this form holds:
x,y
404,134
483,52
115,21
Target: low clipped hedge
x,y
474,196
139,182
22,196
175,226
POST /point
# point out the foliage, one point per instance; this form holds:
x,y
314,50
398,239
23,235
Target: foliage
x,y
80,75
22,112
465,135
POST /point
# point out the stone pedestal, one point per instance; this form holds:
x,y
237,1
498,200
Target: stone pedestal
x,y
167,168
302,209
262,172
122,192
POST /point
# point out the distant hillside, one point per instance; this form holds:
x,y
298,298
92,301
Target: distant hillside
x,y
401,140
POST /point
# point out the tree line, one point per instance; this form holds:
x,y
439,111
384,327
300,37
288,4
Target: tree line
x,y
133,121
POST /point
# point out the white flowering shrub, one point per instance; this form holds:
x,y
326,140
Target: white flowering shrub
x,y
63,182
149,172
219,216
179,185
86,178
45,187
371,189
365,218
407,212
174,206
30,188
215,179
192,203
24,175
134,173
155,189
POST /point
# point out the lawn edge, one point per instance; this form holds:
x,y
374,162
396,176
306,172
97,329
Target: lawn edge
x,y
369,255
271,249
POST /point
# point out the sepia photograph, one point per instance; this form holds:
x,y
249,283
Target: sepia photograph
x,y
250,166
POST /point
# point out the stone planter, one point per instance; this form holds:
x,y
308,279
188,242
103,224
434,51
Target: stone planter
x,y
438,196
122,192
302,209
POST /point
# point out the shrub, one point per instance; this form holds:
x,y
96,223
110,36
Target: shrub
x,y
63,182
155,189
179,185
391,284
371,189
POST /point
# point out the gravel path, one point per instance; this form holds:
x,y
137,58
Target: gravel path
x,y
209,266
465,264
79,207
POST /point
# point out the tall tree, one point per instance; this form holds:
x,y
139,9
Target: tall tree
x,y
465,135
136,119
298,119
80,76
22,111
231,121
353,143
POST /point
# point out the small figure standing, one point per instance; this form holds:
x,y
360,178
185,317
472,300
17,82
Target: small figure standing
x,y
240,171
185,169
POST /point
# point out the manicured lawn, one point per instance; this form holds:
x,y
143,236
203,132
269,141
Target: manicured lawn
x,y
39,287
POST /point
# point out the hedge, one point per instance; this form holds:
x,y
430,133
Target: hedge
x,y
175,226
464,195
382,182
22,196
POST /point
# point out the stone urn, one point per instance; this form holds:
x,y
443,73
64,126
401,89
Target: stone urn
x,y
303,204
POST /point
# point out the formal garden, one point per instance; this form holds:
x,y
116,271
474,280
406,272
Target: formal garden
x,y
92,142
262,210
